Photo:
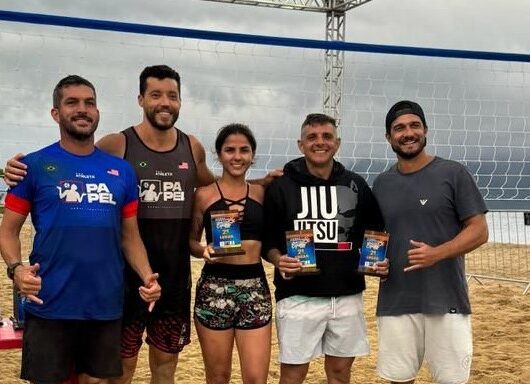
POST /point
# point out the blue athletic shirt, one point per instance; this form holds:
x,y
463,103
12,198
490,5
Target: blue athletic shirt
x,y
77,204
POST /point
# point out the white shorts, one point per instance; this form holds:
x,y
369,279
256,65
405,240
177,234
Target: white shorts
x,y
445,341
308,327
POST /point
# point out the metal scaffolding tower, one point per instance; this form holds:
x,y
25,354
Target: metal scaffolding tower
x,y
335,31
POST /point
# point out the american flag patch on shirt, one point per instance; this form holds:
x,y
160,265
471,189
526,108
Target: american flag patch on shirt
x,y
113,172
183,165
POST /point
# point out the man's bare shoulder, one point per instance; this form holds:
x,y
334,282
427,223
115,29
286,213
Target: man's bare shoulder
x,y
192,137
204,175
113,143
196,146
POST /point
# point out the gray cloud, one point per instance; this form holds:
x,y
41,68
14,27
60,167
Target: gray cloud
x,y
473,24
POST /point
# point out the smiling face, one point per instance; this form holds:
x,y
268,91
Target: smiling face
x,y
161,102
77,113
407,136
319,143
236,155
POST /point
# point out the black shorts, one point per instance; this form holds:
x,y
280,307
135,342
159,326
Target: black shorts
x,y
54,349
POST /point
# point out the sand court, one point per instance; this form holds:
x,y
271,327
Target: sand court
x,y
501,322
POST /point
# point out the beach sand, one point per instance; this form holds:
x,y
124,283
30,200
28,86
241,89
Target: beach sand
x,y
501,322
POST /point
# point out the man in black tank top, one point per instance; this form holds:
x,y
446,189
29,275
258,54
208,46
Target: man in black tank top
x,y
169,164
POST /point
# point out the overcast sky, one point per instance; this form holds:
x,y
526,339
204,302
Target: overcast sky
x,y
33,58
489,25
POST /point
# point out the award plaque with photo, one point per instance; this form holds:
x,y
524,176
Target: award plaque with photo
x,y
372,250
301,245
226,236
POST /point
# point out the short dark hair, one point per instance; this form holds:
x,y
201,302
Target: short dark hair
x,y
65,82
232,129
404,107
319,119
159,72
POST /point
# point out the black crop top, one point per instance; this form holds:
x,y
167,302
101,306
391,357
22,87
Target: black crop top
x,y
251,225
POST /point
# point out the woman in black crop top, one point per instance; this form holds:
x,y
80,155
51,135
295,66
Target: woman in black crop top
x,y
232,300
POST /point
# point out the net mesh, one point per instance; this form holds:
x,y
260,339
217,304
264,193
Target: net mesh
x,y
478,111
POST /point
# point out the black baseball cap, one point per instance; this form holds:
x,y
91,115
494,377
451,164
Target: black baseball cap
x,y
404,107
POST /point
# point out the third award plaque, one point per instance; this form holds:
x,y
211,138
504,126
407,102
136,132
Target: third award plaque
x,y
226,236
372,251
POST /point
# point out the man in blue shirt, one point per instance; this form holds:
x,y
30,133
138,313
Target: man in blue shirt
x,y
83,206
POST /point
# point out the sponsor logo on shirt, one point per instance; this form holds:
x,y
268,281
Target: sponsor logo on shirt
x,y
423,201
75,192
163,173
83,176
152,191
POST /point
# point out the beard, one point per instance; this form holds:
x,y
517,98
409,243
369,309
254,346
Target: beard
x,y
69,127
151,116
409,155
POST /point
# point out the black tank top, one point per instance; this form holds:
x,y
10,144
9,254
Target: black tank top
x,y
251,225
166,182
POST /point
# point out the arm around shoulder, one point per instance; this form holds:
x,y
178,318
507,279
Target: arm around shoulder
x,y
15,170
269,178
204,175
113,144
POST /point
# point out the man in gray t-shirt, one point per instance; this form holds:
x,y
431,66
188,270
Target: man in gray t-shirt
x,y
435,214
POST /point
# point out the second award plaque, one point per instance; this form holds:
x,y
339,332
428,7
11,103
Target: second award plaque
x,y
300,244
372,251
226,236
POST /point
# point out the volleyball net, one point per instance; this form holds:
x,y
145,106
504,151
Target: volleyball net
x,y
477,104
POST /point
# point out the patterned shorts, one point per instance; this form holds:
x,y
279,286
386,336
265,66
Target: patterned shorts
x,y
168,333
233,296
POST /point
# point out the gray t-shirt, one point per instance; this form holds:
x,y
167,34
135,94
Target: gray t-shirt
x,y
430,206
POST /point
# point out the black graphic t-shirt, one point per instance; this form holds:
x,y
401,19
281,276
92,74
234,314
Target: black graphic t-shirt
x,y
337,210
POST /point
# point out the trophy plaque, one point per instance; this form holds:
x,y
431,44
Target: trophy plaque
x,y
301,245
226,236
372,250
